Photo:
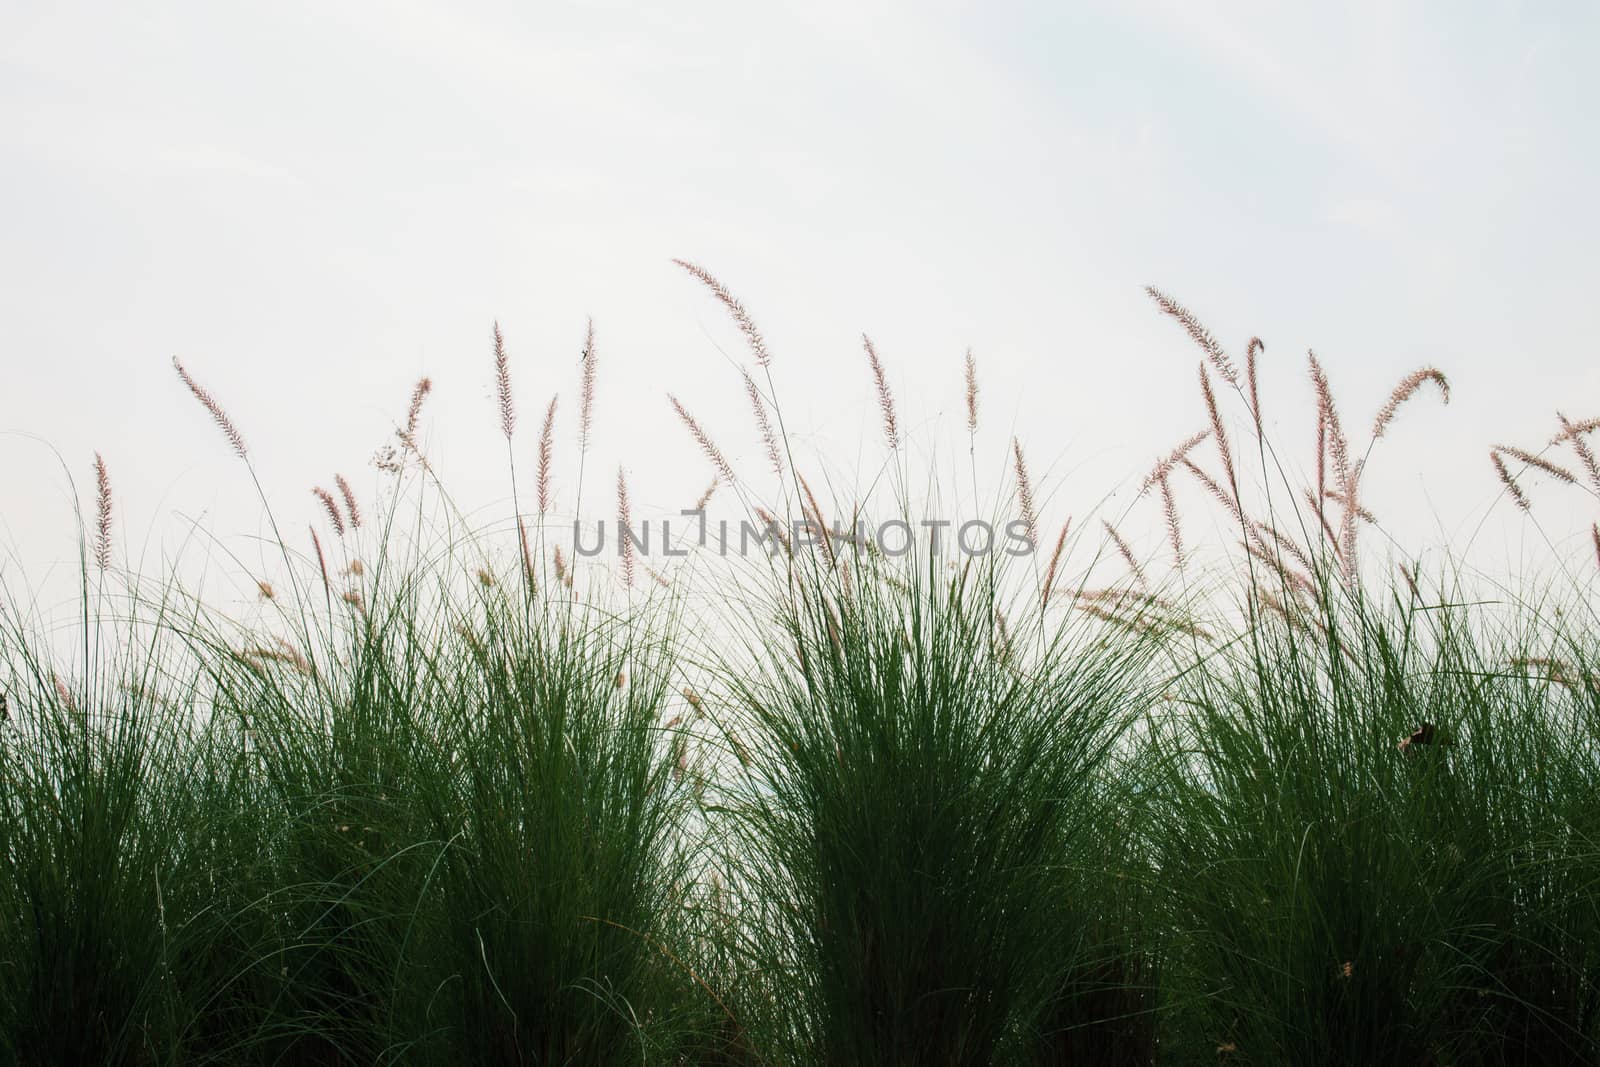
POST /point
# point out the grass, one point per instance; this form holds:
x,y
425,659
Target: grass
x,y
445,803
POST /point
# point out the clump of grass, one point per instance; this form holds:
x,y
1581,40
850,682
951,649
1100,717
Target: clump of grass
x,y
926,819
1375,849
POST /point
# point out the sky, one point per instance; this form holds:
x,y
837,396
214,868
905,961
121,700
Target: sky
x,y
315,204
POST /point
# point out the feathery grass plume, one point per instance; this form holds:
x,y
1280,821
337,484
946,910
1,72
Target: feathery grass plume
x,y
563,575
768,438
1594,532
1125,599
1166,465
747,325
1581,447
1217,430
546,454
891,426
1322,461
1554,470
408,435
1552,670
356,569
102,529
322,561
1215,490
1404,391
331,506
1509,482
1581,426
1055,562
1300,583
705,497
1198,333
1251,350
354,598
1339,449
1126,553
1270,600
264,587
1030,516
624,528
1002,635
972,393
1409,574
586,394
502,384
814,516
259,655
1169,509
63,694
660,579
712,452
1261,530
527,550
209,402
777,530
1340,499
485,577
350,506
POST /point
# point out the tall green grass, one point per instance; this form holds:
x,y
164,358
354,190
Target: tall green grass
x,y
931,825
442,803
1378,840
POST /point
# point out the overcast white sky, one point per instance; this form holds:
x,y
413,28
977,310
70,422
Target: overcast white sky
x,y
315,203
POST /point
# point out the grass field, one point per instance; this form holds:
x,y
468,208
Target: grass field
x,y
459,801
